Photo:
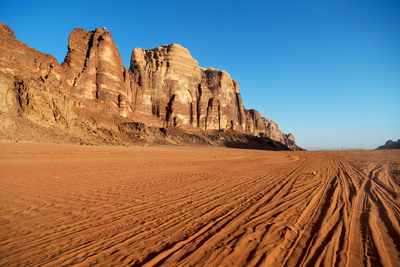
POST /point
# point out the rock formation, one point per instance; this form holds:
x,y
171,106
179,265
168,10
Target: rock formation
x,y
172,87
164,87
31,84
390,144
93,69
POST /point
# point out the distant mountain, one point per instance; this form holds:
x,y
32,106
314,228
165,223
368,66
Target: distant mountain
x,y
390,144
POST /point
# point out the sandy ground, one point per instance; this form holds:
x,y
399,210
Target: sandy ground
x,y
182,206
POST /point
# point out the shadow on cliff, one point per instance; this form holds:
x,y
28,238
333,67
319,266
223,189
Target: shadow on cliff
x,y
257,143
138,132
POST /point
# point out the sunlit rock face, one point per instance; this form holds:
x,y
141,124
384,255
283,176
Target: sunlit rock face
x,y
172,87
32,85
164,83
94,70
167,79
163,86
18,59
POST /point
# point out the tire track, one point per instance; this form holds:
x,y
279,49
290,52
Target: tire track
x,y
226,208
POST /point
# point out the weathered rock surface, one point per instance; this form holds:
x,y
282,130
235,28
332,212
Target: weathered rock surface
x,y
390,144
92,93
31,83
172,87
34,98
94,70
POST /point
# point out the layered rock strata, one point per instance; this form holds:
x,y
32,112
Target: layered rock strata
x,y
175,89
164,85
93,69
31,83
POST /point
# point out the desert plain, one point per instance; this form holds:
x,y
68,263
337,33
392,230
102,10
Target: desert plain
x,y
209,206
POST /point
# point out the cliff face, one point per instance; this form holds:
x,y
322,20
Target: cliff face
x,y
175,89
163,87
172,87
31,84
93,69
35,101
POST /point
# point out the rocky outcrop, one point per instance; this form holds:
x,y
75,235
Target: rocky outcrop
x,y
32,83
172,87
175,89
390,144
94,71
35,103
164,87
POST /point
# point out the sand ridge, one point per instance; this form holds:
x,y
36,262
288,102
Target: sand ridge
x,y
183,206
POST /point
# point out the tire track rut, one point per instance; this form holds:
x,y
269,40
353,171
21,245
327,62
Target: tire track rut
x,y
199,207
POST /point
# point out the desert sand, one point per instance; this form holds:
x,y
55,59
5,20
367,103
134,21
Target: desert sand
x,y
183,206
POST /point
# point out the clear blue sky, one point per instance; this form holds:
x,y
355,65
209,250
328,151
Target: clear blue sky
x,y
327,71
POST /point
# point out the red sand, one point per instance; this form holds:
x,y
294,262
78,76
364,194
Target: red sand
x,y
66,204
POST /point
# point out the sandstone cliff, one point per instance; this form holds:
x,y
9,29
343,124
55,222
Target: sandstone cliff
x,y
35,102
172,87
93,69
31,84
91,94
